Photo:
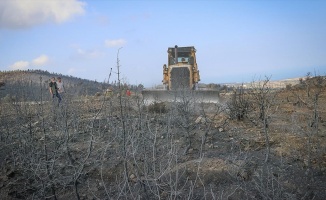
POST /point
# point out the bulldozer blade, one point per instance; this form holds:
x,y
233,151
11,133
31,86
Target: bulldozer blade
x,y
207,96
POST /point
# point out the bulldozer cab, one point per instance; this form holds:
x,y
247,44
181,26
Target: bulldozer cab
x,y
185,55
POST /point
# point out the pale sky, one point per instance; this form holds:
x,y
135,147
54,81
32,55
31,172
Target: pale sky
x,y
236,40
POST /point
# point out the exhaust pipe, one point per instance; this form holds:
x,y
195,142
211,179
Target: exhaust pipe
x,y
176,54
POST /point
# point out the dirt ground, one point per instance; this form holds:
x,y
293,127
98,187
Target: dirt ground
x,y
112,148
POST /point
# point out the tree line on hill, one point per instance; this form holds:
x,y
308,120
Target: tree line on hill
x,y
31,84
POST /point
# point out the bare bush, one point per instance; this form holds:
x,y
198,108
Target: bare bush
x,y
268,184
239,106
157,107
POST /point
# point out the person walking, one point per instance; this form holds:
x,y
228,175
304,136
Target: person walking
x,y
53,88
61,87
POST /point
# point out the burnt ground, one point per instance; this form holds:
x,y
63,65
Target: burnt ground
x,y
104,148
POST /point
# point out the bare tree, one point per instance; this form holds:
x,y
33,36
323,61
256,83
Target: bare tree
x,y
263,99
315,87
185,106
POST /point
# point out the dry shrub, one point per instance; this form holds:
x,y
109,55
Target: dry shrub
x,y
157,107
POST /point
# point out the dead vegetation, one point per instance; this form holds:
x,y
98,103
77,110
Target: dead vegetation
x,y
116,147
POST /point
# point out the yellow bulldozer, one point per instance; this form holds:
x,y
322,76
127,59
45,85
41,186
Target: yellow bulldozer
x,y
180,79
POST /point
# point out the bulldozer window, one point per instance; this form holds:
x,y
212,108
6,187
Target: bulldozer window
x,y
183,59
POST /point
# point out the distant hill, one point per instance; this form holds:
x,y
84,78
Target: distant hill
x,y
30,84
272,83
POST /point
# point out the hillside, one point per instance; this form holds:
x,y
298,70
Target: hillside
x,y
277,84
28,84
253,144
